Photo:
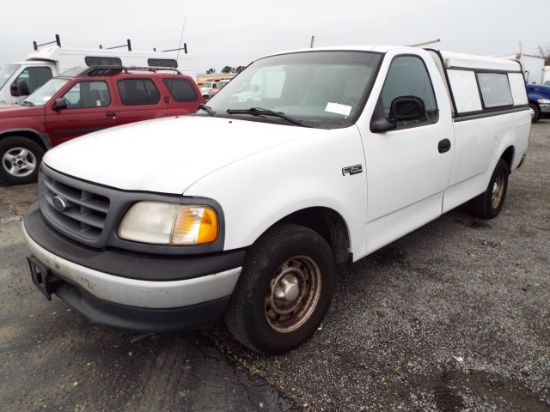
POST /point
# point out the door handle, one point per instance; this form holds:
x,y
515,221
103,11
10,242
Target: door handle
x,y
444,145
110,114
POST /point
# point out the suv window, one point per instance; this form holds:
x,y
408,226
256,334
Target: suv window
x,y
88,94
181,90
408,76
134,92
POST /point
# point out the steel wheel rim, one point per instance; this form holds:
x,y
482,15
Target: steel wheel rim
x,y
498,190
293,294
19,161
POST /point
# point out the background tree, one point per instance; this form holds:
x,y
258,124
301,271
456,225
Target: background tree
x,y
210,71
239,69
227,69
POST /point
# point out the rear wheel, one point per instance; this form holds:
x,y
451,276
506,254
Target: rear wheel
x,y
488,204
20,158
284,290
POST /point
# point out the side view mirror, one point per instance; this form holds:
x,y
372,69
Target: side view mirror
x,y
407,108
60,104
19,88
401,109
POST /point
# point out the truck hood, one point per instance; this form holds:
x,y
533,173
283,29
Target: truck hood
x,y
166,155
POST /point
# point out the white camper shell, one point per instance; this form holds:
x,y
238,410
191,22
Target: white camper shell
x,y
19,79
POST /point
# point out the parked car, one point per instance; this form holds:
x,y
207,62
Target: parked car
x,y
206,87
81,101
539,100
220,85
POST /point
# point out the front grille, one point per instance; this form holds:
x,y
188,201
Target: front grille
x,y
78,211
71,209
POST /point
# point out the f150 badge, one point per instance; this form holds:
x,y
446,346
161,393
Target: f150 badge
x,y
352,170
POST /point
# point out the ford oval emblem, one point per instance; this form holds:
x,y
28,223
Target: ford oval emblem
x,y
59,203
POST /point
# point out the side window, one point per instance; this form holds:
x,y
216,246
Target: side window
x,y
102,61
495,90
181,90
135,92
35,77
163,63
408,76
88,94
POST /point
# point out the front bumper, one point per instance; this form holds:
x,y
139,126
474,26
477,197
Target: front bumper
x,y
108,288
545,109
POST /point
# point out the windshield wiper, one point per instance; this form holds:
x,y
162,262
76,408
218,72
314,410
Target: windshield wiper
x,y
27,103
258,111
207,109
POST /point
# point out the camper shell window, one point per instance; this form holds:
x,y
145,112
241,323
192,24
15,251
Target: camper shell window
x,y
102,61
495,90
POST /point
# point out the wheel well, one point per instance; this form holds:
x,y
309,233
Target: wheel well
x,y
26,134
508,157
327,223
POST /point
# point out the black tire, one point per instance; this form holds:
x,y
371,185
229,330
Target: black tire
x,y
284,290
488,204
20,159
536,112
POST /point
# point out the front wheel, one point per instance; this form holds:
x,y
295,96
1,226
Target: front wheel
x,y
535,112
20,158
284,290
488,204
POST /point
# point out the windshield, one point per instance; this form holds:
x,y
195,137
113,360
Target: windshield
x,y
41,96
6,72
318,88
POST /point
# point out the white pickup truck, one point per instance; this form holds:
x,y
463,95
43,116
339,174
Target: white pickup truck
x,y
245,211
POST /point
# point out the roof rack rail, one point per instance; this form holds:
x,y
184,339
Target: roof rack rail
x,y
184,48
108,70
128,44
56,41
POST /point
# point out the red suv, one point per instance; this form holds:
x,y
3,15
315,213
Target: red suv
x,y
81,101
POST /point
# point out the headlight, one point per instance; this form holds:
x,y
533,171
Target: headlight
x,y
543,101
169,224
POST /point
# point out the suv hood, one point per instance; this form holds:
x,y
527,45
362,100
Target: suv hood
x,y
9,111
166,155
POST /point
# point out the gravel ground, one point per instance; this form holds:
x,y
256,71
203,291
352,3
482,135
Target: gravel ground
x,y
453,317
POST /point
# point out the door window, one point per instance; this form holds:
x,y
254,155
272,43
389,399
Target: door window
x,y
408,76
35,77
88,94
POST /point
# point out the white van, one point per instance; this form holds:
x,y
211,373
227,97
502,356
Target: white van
x,y
17,80
346,150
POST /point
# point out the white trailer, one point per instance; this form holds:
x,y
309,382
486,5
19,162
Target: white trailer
x,y
533,67
19,79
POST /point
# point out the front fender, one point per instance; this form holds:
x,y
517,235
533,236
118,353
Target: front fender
x,y
260,190
42,139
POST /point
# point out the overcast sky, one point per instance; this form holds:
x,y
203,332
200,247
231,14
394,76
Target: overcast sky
x,y
236,32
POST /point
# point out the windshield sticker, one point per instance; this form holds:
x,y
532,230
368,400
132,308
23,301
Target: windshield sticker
x,y
338,108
